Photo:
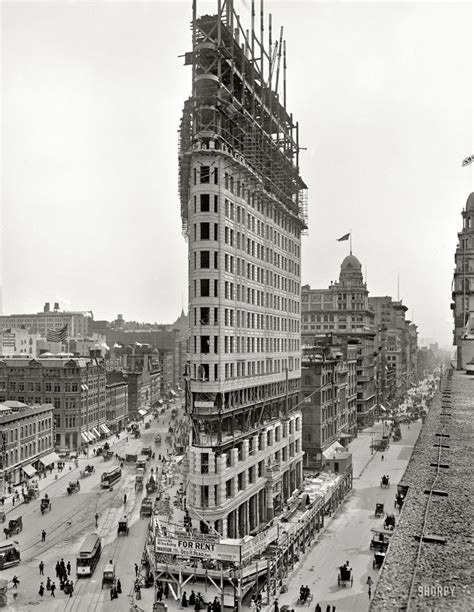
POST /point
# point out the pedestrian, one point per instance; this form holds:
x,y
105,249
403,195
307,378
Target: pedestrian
x,y
13,500
125,499
68,568
41,568
119,586
317,608
41,590
276,607
48,584
369,591
53,588
328,608
381,458
166,590
192,599
334,609
184,600
43,536
71,588
15,581
96,519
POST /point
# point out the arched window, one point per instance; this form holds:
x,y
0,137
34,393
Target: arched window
x,y
307,380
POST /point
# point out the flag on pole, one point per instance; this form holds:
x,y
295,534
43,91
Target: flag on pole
x,y
345,237
59,335
468,160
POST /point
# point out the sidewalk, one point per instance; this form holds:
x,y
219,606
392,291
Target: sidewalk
x,y
52,477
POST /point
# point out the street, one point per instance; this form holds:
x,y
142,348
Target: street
x,y
71,519
347,534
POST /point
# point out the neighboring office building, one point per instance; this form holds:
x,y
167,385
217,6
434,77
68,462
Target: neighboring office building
x,y
39,323
463,288
343,310
16,340
243,212
396,344
26,440
329,409
116,390
75,387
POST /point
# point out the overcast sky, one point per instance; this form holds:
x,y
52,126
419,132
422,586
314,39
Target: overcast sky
x,y
92,98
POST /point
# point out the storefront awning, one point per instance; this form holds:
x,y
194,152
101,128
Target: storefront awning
x,y
29,470
382,408
94,429
142,412
50,458
344,435
332,450
84,436
104,428
91,436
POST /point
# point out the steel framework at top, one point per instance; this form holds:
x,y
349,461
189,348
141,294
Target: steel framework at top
x,y
235,108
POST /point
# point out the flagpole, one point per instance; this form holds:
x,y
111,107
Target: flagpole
x,y
350,239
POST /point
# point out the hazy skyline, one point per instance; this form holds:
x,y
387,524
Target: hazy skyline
x,y
92,99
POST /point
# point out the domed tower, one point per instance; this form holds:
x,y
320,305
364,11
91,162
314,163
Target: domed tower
x,y
351,273
463,288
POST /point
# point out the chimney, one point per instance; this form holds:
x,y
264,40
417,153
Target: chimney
x,y
46,307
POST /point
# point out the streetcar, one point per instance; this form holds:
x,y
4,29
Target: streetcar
x,y
9,554
89,555
110,478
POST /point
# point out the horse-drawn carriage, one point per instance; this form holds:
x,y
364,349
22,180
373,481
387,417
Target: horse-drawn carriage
x,y
139,482
379,557
379,510
108,577
158,439
14,527
73,487
45,505
389,522
385,482
146,508
123,528
380,540
345,577
151,485
107,455
32,492
87,471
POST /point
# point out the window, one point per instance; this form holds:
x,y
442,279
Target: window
x,y
205,174
205,235
204,287
205,257
205,202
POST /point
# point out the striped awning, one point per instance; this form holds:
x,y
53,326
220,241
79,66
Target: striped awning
x,y
50,458
104,428
94,429
29,470
84,436
91,436
142,412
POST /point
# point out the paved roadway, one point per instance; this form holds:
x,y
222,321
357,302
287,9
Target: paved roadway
x,y
71,520
347,536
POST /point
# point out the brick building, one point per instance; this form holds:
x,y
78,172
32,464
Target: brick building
x,y
26,443
116,391
75,388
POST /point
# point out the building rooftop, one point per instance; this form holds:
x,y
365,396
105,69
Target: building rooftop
x,y
441,462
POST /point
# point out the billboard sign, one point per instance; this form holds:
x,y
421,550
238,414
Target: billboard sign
x,y
259,543
191,547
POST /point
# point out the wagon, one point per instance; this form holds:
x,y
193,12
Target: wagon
x,y
146,508
45,505
379,510
138,482
389,522
14,527
379,558
385,482
380,540
123,528
345,577
158,439
108,577
73,487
